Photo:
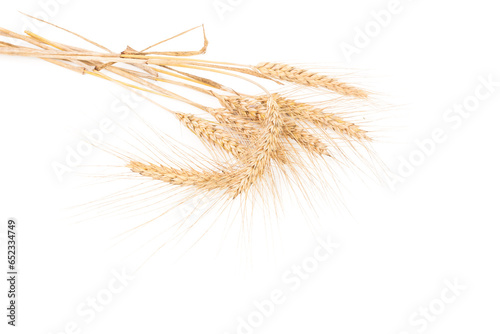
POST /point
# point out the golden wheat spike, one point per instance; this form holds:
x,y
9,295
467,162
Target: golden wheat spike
x,y
255,109
266,147
300,111
308,113
307,78
212,132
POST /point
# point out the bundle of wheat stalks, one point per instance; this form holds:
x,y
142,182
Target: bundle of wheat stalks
x,y
262,137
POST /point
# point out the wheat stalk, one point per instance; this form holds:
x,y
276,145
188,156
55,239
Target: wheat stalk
x,y
300,111
213,133
266,147
240,124
308,113
304,77
254,108
263,134
177,177
235,181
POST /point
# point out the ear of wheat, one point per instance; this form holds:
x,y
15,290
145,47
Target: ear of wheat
x,y
304,77
213,133
262,135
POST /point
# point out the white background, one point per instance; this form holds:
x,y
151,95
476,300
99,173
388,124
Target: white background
x,y
398,247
